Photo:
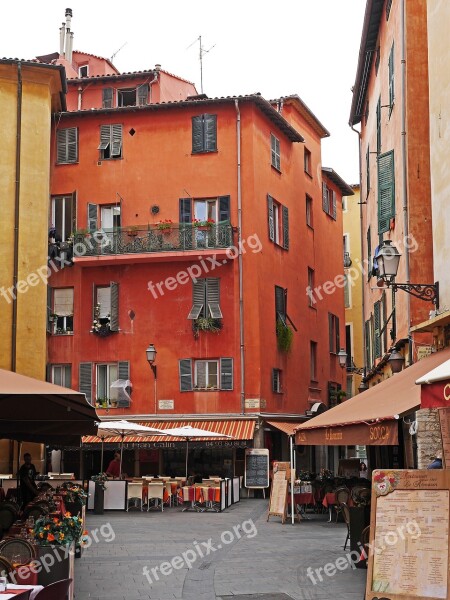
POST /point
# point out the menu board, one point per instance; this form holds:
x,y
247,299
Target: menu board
x,y
444,421
409,535
256,468
278,498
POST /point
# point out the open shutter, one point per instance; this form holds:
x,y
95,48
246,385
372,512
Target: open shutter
x,y
270,218
116,136
333,206
210,129
114,319
379,125
72,145
197,134
224,208
185,210
142,94
107,98
391,78
200,374
330,332
280,304
185,217
226,373
61,146
213,297
338,334
92,217
123,372
85,380
73,216
325,198
285,211
185,373
367,344
198,287
376,329
386,191
274,380
105,137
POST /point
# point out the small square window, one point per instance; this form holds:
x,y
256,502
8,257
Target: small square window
x,y
83,71
307,162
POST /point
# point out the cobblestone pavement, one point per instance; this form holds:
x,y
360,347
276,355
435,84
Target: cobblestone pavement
x,y
246,557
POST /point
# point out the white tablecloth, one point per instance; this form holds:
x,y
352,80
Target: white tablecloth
x,y
11,586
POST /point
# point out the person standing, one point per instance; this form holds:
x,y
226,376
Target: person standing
x,y
113,469
27,476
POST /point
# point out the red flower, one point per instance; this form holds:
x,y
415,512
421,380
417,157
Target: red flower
x,y
50,537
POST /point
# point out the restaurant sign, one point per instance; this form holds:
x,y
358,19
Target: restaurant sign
x,y
383,433
175,445
435,395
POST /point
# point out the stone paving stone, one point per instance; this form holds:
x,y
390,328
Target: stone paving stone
x,y
274,561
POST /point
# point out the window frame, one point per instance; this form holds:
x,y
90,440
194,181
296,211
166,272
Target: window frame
x,y
207,362
333,333
110,146
312,286
309,211
111,395
62,324
67,149
278,222
313,361
203,142
307,161
275,152
277,383
86,66
65,368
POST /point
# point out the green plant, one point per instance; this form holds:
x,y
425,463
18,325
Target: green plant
x,y
100,479
81,232
341,394
54,531
206,324
284,336
167,224
73,493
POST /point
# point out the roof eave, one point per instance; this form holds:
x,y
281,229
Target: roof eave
x,y
337,180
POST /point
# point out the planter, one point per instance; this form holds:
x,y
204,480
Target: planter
x,y
57,563
99,499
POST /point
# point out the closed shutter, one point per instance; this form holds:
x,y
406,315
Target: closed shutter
x,y
224,208
114,319
116,136
61,149
391,78
210,128
92,217
337,334
331,339
275,380
367,343
376,329
325,205
285,212
107,98
85,380
123,372
200,374
198,290
280,304
49,309
333,205
368,169
386,191
67,145
384,321
185,219
270,218
213,297
185,373
185,210
226,373
197,134
369,254
105,137
379,125
142,94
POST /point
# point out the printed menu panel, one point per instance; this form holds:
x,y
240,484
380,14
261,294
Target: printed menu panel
x,y
278,498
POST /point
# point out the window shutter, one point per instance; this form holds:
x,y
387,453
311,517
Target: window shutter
x,y
198,292
185,372
338,334
72,145
142,94
61,146
107,98
325,205
280,304
274,380
379,125
226,373
367,340
391,78
200,374
114,319
213,297
85,380
270,218
224,208
197,134
333,207
376,329
210,128
330,332
105,137
123,372
185,216
285,211
49,309
386,191
368,169
92,217
73,209
185,210
116,135
369,254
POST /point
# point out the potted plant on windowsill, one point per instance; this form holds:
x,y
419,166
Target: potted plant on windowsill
x,y
284,336
206,324
164,226
203,225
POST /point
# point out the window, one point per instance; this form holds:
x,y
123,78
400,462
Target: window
x,y
109,217
369,254
133,96
110,142
206,299
205,374
391,79
106,301
204,133
275,152
278,218
377,59
333,330
307,162
313,360
67,145
281,307
368,169
83,71
107,97
62,311
386,191
61,375
334,398
106,374
311,286
63,211
346,250
344,204
379,125
376,329
276,381
309,211
329,200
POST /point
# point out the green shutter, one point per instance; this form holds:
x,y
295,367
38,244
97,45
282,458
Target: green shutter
x,y
285,213
114,318
325,203
368,169
386,191
391,79
280,304
116,145
198,292
85,380
197,134
105,137
337,334
142,94
379,125
107,98
367,343
369,254
376,329
210,133
224,208
185,374
226,373
213,297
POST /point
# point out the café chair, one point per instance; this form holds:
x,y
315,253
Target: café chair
x,y
156,493
6,568
8,514
135,493
11,547
342,497
346,515
59,590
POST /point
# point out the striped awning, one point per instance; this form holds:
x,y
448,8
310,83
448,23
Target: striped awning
x,y
238,429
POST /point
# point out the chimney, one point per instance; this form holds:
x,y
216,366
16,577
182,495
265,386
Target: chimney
x,y
69,36
69,57
68,16
62,35
157,67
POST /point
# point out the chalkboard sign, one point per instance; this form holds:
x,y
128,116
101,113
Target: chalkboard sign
x,y
256,468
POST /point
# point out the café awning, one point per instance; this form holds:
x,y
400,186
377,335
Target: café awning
x,y
435,387
371,418
287,427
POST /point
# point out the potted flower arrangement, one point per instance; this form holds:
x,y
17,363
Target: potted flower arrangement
x,y
53,531
100,325
203,224
164,226
74,497
99,496
206,324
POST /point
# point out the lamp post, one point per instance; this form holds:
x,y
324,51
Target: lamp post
x,y
151,357
363,386
342,357
387,261
396,360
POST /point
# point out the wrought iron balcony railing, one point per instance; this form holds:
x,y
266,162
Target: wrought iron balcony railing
x,y
153,238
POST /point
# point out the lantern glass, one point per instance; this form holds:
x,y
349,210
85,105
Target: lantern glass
x,y
151,354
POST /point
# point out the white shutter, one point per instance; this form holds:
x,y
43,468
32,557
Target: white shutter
x,y
63,302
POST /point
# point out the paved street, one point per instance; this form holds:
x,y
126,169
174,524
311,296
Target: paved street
x,y
260,560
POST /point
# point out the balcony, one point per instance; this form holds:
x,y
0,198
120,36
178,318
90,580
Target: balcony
x,y
347,260
177,241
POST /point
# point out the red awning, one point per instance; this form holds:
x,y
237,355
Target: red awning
x,y
286,427
238,429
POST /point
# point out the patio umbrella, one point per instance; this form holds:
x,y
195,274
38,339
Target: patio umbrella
x,y
111,429
188,433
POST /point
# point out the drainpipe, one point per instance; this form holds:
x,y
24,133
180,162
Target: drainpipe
x,y
241,286
405,177
16,216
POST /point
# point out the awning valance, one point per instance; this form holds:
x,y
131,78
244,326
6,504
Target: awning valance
x,y
370,418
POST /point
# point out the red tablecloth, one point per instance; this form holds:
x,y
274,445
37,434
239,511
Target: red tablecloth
x,y
330,498
302,498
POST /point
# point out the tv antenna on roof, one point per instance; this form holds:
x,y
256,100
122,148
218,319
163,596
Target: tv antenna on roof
x,y
117,51
202,51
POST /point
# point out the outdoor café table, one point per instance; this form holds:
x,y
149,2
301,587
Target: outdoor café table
x,y
12,590
201,495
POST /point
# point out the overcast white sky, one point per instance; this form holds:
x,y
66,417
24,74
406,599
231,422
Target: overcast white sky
x,y
304,47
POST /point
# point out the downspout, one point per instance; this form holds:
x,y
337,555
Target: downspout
x,y
16,216
405,178
241,286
